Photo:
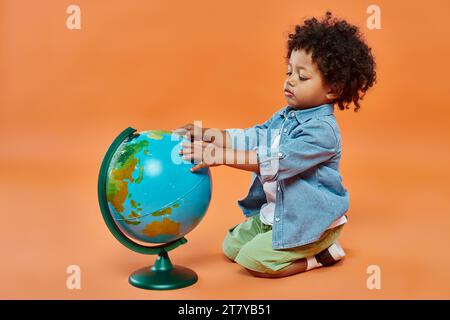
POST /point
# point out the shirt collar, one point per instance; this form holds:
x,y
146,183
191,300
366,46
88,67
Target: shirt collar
x,y
305,114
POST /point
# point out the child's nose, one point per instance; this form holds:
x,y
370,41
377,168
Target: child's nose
x,y
290,81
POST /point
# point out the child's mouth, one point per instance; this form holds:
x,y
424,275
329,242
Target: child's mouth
x,y
288,93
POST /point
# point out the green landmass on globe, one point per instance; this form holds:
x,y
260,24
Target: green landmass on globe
x,y
135,167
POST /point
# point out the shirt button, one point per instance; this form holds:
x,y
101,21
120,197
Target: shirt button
x,y
277,219
291,114
280,154
285,130
279,189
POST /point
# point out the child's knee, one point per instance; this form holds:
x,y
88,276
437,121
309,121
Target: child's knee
x,y
229,248
250,258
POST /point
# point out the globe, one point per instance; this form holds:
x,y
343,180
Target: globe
x,y
148,194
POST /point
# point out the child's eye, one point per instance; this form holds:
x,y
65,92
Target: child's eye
x,y
301,78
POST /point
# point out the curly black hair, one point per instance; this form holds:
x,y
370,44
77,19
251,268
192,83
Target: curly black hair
x,y
343,58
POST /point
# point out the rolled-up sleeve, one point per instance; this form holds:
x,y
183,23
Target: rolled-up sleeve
x,y
250,138
315,143
243,139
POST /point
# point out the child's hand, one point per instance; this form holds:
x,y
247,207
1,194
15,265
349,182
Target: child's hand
x,y
203,154
191,132
197,133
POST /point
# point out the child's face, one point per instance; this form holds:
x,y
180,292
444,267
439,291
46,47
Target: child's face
x,y
304,81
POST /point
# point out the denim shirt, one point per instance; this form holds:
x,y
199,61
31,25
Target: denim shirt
x,y
310,194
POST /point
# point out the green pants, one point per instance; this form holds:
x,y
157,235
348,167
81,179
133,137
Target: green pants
x,y
250,245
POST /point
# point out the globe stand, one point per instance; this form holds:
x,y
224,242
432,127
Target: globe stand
x,y
163,275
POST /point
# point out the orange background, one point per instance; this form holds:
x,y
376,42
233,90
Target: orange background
x,y
66,94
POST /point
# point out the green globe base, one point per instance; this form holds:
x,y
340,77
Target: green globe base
x,y
163,275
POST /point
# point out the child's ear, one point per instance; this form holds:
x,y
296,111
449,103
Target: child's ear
x,y
331,96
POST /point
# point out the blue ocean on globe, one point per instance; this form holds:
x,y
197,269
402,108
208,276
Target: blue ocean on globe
x,y
152,194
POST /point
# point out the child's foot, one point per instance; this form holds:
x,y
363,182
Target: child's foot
x,y
327,257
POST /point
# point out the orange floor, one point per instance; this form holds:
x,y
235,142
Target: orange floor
x,y
398,220
64,96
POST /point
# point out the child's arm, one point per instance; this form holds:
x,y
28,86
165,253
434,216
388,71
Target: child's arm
x,y
232,147
206,154
316,143
250,165
242,139
220,138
